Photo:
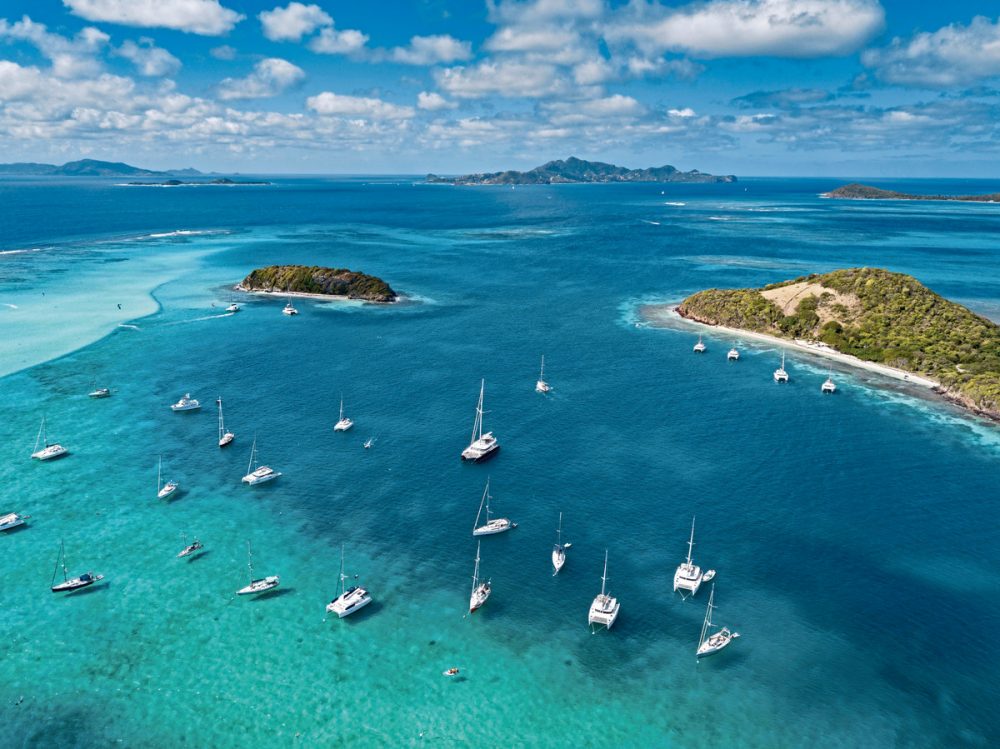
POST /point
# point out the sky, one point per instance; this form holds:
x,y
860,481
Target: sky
x,y
895,88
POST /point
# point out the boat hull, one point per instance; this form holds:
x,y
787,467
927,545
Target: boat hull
x,y
50,453
603,613
253,480
83,581
720,640
558,560
492,529
342,609
260,586
227,439
477,455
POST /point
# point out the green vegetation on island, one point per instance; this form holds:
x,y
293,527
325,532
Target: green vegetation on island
x,y
875,315
225,181
577,170
305,279
855,191
90,168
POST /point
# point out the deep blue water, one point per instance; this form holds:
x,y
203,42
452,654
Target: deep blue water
x,y
853,535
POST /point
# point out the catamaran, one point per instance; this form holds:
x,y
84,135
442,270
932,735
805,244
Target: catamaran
x,y
542,386
480,590
699,347
733,355
12,520
70,583
829,386
163,490
225,437
604,609
187,403
260,584
47,451
780,375
289,309
258,474
343,424
559,550
689,575
482,445
350,599
710,642
492,525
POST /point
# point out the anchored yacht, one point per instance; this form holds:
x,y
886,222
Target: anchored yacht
x,y
350,599
289,310
12,520
163,490
559,550
482,445
780,375
710,642
699,347
225,436
689,575
70,583
733,355
480,590
187,403
542,386
343,424
48,451
492,525
829,386
604,609
260,584
256,473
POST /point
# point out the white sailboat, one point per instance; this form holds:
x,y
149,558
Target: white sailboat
x,y
712,642
542,386
190,549
47,451
699,347
480,590
97,392
70,583
829,386
186,403
559,550
780,375
225,436
289,309
492,525
258,474
689,575
482,445
260,584
343,424
12,520
604,609
350,599
163,490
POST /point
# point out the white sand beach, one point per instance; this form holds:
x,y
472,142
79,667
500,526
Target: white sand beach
x,y
316,297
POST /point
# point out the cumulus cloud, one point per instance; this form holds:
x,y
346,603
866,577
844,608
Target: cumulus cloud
x,y
270,77
954,55
532,39
507,78
149,59
69,57
333,42
529,12
224,52
363,107
431,50
432,101
783,99
205,17
291,23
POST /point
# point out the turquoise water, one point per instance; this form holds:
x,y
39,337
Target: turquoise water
x,y
853,535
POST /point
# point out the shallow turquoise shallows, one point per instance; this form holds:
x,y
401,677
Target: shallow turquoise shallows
x,y
855,535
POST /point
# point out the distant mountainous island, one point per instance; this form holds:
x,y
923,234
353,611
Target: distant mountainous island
x,y
574,170
317,281
217,181
877,316
855,191
92,168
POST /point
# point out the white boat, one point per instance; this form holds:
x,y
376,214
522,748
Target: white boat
x,y
542,386
99,392
47,451
480,590
699,347
780,375
712,642
12,520
233,307
258,474
350,599
559,550
187,403
829,386
604,609
369,442
689,576
733,355
342,424
190,549
289,309
163,490
260,584
482,445
492,525
225,436
70,583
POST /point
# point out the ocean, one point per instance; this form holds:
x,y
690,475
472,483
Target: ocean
x,y
854,535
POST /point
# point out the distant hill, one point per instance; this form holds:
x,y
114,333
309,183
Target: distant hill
x,y
304,279
91,168
577,170
855,191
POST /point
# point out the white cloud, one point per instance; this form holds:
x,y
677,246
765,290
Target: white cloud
x,y
593,72
432,101
224,52
339,105
743,28
533,12
507,78
333,42
531,39
149,59
954,55
206,17
70,58
431,50
270,77
291,23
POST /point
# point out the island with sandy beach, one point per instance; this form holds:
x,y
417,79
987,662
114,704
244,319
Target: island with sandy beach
x,y
856,191
870,317
318,282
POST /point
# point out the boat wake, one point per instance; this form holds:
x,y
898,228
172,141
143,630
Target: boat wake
x,y
128,326
675,203
21,252
647,221
8,304
199,319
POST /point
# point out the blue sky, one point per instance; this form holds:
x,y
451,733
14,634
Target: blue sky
x,y
751,87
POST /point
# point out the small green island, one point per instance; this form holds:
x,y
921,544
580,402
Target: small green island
x,y
574,170
225,181
877,316
856,191
318,282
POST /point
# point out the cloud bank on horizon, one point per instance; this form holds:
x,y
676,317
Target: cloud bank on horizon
x,y
751,86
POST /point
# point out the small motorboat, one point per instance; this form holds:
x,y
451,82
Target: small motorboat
x,y
233,307
187,403
708,576
12,520
451,672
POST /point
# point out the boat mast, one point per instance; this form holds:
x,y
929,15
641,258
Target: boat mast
x,y
477,426
708,618
221,424
604,577
342,589
691,542
486,493
41,431
253,454
541,375
475,572
250,560
559,532
341,406
62,558
159,467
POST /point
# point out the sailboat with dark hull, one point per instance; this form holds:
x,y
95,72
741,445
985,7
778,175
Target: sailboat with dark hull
x,y
70,583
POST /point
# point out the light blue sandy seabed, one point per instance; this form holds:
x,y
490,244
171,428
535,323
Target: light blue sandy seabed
x,y
855,536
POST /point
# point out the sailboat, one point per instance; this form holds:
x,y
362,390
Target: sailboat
x,y
733,355
482,445
480,590
699,347
829,386
689,575
190,549
542,386
343,424
289,309
559,550
350,599
710,642
47,452
369,442
780,375
97,392
492,525
604,609
163,490
12,520
259,585
225,437
258,474
186,403
70,583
